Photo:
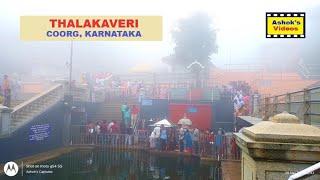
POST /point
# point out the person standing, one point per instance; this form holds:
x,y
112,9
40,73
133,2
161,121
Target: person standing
x,y
110,127
115,129
128,136
97,130
188,139
196,136
202,143
211,144
1,95
127,118
6,91
123,110
181,139
207,146
91,128
163,138
152,140
157,131
104,131
171,139
135,111
218,143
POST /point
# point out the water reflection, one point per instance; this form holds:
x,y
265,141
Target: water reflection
x,y
111,164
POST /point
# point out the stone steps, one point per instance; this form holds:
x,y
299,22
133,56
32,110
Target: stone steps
x,y
37,105
109,111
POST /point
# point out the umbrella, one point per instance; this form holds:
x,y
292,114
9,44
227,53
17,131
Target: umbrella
x,y
185,121
164,122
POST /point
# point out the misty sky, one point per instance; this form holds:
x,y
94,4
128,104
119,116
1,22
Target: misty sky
x,y
240,31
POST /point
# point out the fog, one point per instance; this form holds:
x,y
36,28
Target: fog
x,y
240,29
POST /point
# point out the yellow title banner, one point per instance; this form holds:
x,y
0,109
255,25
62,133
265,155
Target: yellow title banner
x,y
91,28
285,25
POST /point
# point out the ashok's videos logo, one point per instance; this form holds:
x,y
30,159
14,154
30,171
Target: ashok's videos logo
x,y
10,168
285,24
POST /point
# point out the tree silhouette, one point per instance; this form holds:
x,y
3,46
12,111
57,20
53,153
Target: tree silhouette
x,y
195,40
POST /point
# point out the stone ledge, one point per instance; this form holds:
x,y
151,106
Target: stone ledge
x,y
283,133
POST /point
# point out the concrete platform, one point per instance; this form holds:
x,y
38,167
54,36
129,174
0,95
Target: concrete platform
x,y
250,119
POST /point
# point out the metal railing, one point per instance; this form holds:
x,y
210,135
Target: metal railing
x,y
305,172
81,135
305,104
226,150
169,93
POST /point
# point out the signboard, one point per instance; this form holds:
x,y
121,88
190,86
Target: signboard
x,y
39,132
285,24
91,28
192,109
146,102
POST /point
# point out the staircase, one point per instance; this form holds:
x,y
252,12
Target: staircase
x,y
24,112
109,110
106,112
16,103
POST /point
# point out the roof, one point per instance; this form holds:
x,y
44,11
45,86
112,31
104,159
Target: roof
x,y
250,119
266,83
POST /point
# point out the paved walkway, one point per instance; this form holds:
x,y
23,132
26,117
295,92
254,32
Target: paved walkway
x,y
231,170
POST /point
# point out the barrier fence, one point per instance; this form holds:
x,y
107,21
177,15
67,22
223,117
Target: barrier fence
x,y
226,150
80,135
305,104
169,93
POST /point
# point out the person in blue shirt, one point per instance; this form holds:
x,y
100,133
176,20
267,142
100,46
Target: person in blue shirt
x,y
163,138
188,139
218,143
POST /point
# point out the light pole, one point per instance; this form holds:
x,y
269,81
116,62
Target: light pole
x,y
68,102
70,68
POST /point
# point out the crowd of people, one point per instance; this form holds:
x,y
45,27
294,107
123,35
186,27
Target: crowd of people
x,y
183,139
190,140
97,132
126,127
242,98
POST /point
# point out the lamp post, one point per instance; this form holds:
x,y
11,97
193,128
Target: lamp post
x,y
68,102
70,68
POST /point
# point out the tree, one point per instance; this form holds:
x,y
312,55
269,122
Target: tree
x,y
195,40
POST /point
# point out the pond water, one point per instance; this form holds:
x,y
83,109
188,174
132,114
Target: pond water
x,y
108,164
